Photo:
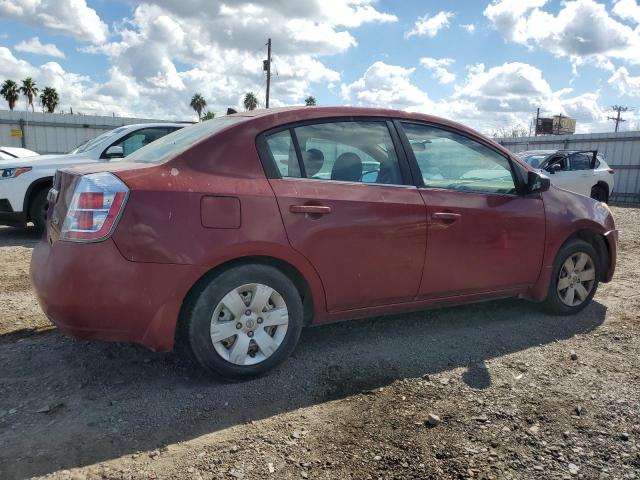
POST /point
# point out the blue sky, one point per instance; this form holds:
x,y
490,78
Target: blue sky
x,y
488,64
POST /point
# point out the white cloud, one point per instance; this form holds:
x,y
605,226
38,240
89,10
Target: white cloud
x,y
35,46
625,83
430,26
439,67
69,17
627,10
582,30
487,99
167,51
389,86
469,27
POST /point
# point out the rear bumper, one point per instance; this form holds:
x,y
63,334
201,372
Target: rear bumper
x,y
90,291
612,243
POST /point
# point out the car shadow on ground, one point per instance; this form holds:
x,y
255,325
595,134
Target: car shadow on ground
x,y
68,404
19,237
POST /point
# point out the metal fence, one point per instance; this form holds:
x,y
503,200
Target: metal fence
x,y
55,132
621,151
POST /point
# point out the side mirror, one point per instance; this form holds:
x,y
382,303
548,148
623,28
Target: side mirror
x,y
537,182
114,151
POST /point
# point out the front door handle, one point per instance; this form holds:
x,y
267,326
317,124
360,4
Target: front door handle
x,y
312,209
446,217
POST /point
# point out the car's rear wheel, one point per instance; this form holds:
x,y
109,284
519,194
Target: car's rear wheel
x,y
244,322
599,193
38,210
575,278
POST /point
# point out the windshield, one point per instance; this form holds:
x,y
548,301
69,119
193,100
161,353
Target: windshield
x,y
534,159
89,144
180,140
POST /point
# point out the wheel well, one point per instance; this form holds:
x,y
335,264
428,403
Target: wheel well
x,y
599,244
603,185
289,270
35,188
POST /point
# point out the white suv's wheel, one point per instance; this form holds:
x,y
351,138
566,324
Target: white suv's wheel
x,y
245,321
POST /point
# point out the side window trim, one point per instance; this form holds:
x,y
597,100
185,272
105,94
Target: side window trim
x,y
415,169
296,147
271,170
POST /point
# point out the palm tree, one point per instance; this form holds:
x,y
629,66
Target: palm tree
x,y
209,115
198,103
49,99
310,101
29,90
250,101
10,92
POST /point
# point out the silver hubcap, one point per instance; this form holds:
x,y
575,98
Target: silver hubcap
x,y
576,279
249,324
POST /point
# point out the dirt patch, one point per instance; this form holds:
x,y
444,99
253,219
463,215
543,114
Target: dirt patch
x,y
495,390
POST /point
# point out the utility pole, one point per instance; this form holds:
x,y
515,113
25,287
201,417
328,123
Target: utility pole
x,y
537,119
266,66
617,119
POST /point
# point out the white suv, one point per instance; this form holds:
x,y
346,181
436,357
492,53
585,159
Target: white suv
x,y
580,171
25,182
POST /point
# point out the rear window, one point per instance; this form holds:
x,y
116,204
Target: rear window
x,y
177,142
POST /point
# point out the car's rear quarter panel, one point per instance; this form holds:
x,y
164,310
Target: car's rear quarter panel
x,y
162,222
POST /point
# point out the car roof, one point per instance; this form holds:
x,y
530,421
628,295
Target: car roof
x,y
537,152
274,117
134,126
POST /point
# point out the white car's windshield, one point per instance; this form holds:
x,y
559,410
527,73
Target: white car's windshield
x,y
178,141
534,159
89,144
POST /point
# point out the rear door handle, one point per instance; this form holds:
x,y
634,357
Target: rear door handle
x,y
446,217
313,209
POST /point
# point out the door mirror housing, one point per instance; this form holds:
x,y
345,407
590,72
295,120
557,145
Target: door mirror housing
x,y
537,182
114,151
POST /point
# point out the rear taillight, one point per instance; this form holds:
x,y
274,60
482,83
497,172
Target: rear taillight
x,y
98,200
610,170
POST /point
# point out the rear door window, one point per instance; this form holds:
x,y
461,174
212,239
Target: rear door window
x,y
352,151
580,161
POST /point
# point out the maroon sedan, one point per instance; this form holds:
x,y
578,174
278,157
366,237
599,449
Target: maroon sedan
x,y
233,234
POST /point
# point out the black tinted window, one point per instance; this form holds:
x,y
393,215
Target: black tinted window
x,y
580,161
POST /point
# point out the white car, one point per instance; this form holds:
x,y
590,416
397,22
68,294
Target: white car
x,y
580,171
9,153
25,182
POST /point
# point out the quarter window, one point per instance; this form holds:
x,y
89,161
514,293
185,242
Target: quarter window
x,y
283,153
455,162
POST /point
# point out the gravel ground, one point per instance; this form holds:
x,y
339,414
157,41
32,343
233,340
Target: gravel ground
x,y
494,390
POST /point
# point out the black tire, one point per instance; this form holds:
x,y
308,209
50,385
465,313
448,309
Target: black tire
x,y
599,193
553,303
38,210
203,302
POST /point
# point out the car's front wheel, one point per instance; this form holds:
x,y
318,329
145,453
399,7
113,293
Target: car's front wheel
x,y
244,322
575,278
